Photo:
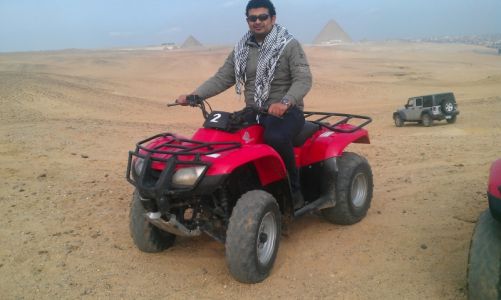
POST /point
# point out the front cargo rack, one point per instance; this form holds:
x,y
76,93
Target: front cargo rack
x,y
159,181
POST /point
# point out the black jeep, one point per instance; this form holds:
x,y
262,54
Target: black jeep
x,y
426,109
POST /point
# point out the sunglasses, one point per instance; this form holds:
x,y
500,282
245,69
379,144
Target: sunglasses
x,y
261,17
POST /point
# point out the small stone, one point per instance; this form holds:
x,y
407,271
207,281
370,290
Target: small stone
x,y
424,247
84,156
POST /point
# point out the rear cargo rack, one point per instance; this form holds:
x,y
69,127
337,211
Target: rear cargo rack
x,y
341,121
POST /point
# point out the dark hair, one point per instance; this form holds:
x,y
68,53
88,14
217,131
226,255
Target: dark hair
x,y
261,3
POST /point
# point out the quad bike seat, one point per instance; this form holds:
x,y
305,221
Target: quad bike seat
x,y
308,130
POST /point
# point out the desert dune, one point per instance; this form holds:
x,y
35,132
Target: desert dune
x,y
69,118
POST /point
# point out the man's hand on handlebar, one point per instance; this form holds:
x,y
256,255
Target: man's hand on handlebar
x,y
182,100
191,100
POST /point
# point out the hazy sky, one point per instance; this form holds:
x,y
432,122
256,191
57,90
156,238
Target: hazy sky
x,y
27,25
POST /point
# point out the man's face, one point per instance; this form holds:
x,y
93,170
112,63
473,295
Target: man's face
x,y
260,22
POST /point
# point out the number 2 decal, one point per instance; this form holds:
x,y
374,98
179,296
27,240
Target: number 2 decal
x,y
215,118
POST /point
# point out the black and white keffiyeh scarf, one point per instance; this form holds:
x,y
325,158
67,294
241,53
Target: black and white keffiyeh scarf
x,y
269,53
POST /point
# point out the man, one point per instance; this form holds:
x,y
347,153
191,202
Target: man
x,y
273,68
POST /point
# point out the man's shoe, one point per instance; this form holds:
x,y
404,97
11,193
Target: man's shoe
x,y
297,198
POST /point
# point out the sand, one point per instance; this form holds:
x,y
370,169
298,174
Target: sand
x,y
68,119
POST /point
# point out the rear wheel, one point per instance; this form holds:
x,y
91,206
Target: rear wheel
x,y
484,264
427,120
451,120
354,186
253,236
146,236
398,120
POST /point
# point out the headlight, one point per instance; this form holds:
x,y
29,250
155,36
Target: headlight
x,y
186,177
138,165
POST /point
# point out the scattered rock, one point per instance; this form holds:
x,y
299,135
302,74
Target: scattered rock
x,y
424,247
72,247
84,156
44,175
89,291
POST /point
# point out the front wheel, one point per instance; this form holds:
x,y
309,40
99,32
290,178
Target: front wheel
x,y
253,237
146,236
484,263
354,185
398,120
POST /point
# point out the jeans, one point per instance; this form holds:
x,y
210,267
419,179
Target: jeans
x,y
279,133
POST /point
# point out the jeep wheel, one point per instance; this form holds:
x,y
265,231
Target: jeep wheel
x,y
146,236
448,107
354,186
484,264
451,120
398,120
253,236
427,120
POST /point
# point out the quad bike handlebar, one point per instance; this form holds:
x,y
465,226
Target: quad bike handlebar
x,y
195,100
338,122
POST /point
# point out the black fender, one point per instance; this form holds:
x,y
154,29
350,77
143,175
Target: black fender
x,y
400,114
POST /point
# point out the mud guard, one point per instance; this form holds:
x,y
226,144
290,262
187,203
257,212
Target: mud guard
x,y
399,113
268,163
494,190
331,144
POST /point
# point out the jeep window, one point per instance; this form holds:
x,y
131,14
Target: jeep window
x,y
411,103
419,102
428,101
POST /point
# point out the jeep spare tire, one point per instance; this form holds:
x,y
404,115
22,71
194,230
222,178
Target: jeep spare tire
x,y
448,107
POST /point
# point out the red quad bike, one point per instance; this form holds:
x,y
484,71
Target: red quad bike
x,y
484,265
227,183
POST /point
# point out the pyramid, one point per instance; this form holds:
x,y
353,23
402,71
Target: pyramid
x,y
191,42
332,33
